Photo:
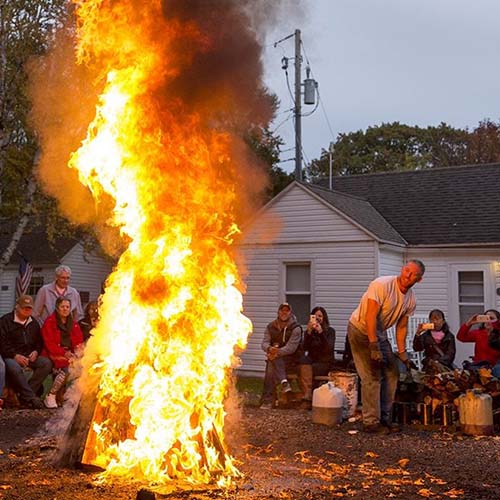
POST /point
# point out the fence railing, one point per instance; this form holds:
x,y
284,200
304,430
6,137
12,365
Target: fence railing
x,y
413,322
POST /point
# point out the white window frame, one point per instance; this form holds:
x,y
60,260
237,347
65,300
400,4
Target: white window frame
x,y
453,317
488,286
301,262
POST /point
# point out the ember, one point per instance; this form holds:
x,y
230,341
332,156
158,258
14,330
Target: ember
x,y
166,168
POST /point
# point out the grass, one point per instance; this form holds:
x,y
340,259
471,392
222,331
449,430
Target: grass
x,y
252,385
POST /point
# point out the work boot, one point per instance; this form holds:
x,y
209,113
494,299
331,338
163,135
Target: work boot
x,y
375,429
35,403
306,381
391,426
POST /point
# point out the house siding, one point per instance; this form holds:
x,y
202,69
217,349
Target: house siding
x,y
340,274
390,261
87,275
7,290
88,271
299,217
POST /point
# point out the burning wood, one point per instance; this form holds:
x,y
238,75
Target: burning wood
x,y
177,85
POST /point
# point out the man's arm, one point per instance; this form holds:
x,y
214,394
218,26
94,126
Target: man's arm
x,y
401,332
78,309
371,320
266,341
293,342
39,303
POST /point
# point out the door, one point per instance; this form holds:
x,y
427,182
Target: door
x,y
472,292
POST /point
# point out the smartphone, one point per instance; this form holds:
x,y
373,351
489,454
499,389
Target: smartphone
x,y
483,318
312,318
428,326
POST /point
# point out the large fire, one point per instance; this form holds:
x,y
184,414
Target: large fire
x,y
171,312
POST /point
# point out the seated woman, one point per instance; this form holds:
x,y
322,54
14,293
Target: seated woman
x,y
89,320
438,343
62,337
318,352
484,354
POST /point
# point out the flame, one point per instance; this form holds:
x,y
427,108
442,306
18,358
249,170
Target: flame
x,y
171,312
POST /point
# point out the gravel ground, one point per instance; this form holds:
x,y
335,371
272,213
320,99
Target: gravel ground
x,y
282,455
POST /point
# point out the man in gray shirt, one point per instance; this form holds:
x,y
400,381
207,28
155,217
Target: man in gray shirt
x,y
281,340
45,301
388,301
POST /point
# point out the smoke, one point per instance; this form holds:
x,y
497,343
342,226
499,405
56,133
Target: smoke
x,y
204,95
212,67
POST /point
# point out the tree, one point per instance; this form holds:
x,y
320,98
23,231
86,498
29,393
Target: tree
x,y
392,147
266,147
484,143
26,27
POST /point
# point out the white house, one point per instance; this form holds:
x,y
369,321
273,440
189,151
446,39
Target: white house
x,y
315,246
88,270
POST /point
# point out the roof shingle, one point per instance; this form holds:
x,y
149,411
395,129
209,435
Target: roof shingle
x,y
452,205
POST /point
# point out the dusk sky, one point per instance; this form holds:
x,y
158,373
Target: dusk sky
x,y
419,62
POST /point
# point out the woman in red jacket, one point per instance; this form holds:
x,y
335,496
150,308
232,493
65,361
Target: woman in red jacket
x,y
484,354
62,337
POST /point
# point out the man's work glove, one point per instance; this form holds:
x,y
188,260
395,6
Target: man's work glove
x,y
375,353
403,356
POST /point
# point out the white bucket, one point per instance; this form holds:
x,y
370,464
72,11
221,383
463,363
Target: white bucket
x,y
348,383
327,405
476,413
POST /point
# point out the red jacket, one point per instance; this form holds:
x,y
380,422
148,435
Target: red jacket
x,y
482,351
52,340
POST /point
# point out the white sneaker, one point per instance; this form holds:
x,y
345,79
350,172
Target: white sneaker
x,y
50,401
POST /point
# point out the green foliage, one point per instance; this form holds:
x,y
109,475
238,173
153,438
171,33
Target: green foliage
x,y
252,385
26,29
484,143
395,146
267,146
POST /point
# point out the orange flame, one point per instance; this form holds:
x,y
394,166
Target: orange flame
x,y
171,313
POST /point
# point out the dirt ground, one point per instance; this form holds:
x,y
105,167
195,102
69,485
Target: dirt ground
x,y
282,455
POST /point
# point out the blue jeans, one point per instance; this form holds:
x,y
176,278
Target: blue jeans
x,y
2,376
276,372
378,382
27,390
495,371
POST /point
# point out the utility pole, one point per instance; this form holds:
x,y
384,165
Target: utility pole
x,y
297,110
330,162
310,91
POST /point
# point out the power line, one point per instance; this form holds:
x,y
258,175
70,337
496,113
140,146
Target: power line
x,y
289,117
320,101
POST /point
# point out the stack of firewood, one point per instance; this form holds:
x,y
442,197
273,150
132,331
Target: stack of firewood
x,y
449,385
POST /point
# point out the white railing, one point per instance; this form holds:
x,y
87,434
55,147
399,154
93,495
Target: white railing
x,y
413,322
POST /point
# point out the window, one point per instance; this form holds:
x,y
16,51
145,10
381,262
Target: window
x,y
35,284
298,289
470,294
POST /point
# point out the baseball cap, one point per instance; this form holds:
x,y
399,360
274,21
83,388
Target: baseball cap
x,y
285,304
24,301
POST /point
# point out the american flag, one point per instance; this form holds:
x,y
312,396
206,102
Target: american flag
x,y
24,278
